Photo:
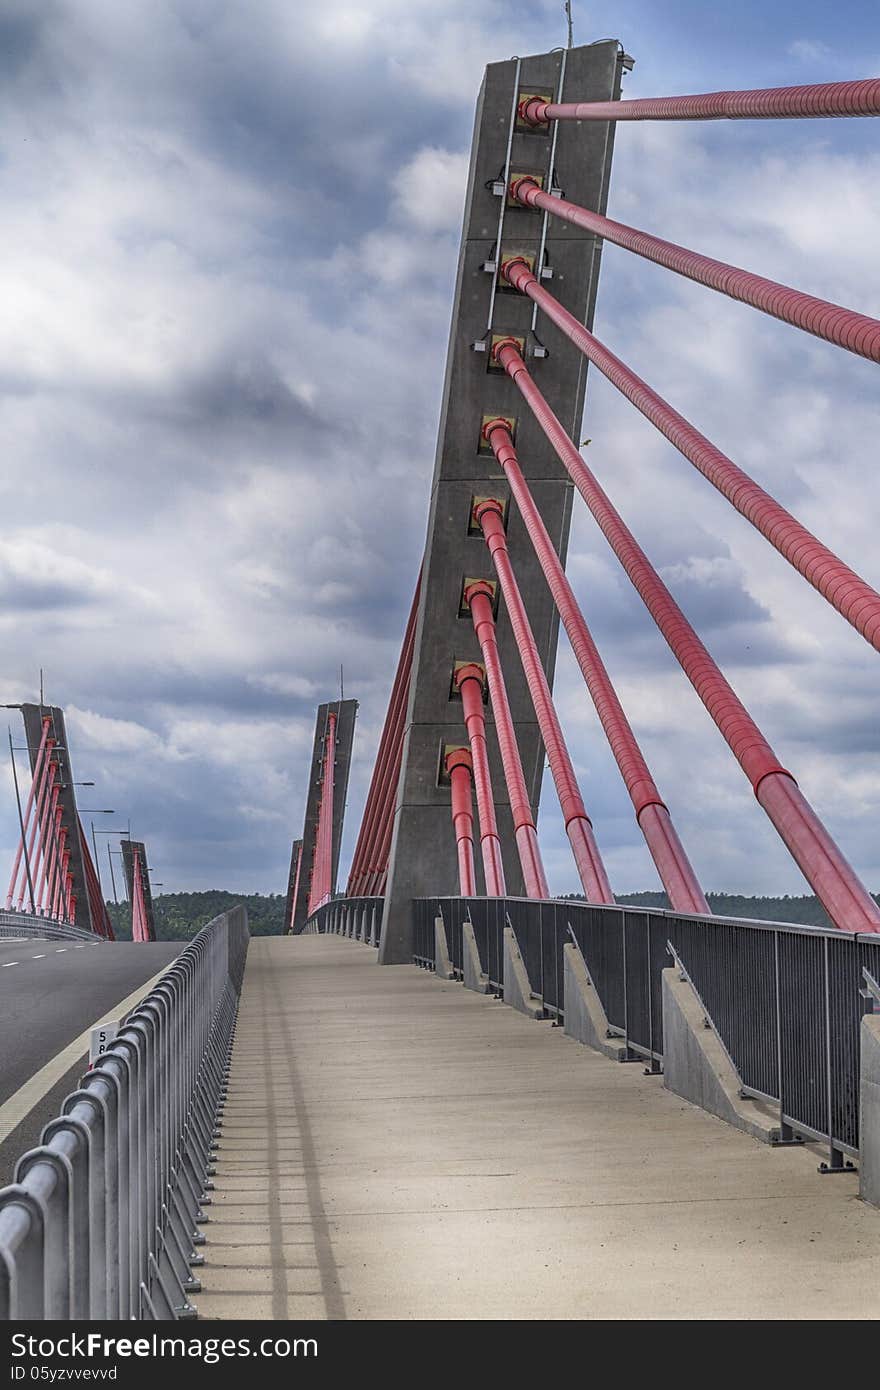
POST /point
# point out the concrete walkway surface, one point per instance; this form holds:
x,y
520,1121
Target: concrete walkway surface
x,y
395,1146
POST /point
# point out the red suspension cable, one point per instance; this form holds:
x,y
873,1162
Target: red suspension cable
x,y
856,332
38,862
590,868
459,767
55,847
100,917
35,781
47,842
832,878
478,597
469,683
34,840
853,598
675,869
60,901
377,864
383,783
860,98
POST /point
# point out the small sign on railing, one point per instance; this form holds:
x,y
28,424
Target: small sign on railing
x,y
100,1040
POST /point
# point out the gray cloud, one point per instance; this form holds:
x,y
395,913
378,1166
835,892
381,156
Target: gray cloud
x,y
227,288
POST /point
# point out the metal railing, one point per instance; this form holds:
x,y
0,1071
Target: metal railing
x,y
358,918
27,924
786,1001
103,1219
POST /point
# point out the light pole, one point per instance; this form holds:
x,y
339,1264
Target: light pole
x,y
94,841
112,875
116,831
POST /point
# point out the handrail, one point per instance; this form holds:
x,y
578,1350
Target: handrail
x,y
102,1220
14,924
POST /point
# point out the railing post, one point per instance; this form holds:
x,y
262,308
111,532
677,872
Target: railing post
x,y
786,1133
837,1163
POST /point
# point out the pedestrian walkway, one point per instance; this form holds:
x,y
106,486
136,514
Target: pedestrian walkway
x,y
395,1146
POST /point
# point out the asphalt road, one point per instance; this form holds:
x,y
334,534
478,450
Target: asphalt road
x,y
50,992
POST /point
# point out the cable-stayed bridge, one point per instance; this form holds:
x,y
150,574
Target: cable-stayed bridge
x,y
313,1150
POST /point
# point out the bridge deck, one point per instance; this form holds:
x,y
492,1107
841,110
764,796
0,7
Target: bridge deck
x,y
398,1147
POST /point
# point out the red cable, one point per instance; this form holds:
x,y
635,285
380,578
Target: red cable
x,y
673,865
395,715
376,861
383,786
34,840
100,917
459,767
860,98
478,597
469,682
36,777
44,852
55,866
44,797
62,887
832,878
590,868
377,871
856,332
853,598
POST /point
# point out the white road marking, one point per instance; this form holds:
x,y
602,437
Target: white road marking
x,y
14,1110
10,962
42,957
59,950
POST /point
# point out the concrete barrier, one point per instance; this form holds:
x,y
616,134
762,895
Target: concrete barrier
x,y
517,990
475,976
869,1111
442,964
585,1018
697,1067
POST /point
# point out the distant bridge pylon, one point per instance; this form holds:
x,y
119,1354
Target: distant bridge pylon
x,y
53,876
314,861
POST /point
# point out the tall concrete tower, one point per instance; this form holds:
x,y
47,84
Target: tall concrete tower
x,y
575,156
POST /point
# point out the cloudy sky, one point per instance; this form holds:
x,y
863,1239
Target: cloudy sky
x,y
227,248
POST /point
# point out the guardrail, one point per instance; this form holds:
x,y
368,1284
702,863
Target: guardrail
x,y
15,924
786,1001
103,1219
358,918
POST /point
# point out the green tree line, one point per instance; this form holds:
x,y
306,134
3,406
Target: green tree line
x,y
180,915
805,910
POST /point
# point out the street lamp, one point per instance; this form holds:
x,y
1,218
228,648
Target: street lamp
x,y
95,832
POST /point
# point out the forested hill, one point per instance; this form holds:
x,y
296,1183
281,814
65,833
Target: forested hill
x,y
180,915
807,910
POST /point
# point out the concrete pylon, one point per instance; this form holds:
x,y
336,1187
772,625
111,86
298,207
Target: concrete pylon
x,y
346,714
423,855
